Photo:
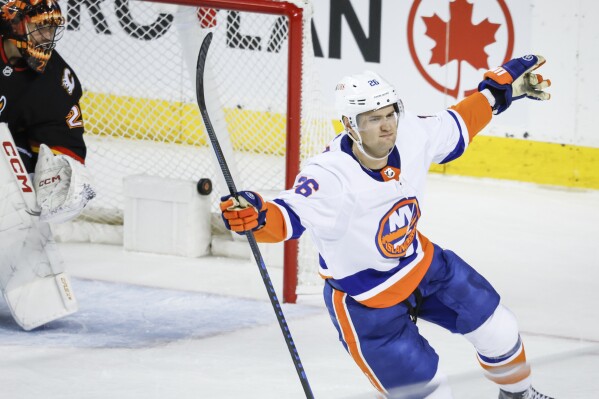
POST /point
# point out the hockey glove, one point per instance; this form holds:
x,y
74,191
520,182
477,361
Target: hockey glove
x,y
62,185
244,213
515,80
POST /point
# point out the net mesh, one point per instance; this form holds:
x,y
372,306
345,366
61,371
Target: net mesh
x,y
136,62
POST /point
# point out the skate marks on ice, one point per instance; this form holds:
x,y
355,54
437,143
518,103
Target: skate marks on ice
x,y
118,315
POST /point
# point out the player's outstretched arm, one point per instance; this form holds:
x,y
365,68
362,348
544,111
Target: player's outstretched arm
x,y
63,186
249,212
515,80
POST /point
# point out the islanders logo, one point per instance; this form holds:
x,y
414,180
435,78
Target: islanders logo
x,y
397,228
457,41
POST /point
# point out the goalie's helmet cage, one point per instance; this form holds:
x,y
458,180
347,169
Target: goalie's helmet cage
x,y
364,92
34,26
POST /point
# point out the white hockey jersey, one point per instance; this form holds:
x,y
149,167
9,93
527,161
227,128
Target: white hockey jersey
x,y
363,222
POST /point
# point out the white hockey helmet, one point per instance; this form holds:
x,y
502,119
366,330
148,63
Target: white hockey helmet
x,y
363,92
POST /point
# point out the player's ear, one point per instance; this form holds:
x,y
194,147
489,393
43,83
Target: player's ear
x,y
348,128
346,124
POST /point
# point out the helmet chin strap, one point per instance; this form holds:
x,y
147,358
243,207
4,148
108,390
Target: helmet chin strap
x,y
363,151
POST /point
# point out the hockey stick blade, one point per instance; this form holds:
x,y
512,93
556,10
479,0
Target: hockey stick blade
x,y
201,65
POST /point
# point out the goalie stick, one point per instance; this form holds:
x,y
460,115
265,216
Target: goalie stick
x,y
250,235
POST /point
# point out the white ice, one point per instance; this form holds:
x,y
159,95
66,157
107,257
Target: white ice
x,y
153,326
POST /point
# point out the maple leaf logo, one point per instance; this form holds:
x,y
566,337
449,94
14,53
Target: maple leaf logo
x,y
459,39
451,36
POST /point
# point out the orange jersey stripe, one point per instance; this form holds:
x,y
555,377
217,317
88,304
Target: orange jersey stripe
x,y
275,229
475,111
510,373
518,374
403,288
350,338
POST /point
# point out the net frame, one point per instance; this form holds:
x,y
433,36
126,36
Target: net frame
x,y
294,105
296,13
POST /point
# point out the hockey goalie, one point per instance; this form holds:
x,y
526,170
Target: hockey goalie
x,y
43,179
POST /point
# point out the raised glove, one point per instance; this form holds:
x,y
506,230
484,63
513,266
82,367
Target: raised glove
x,y
515,80
62,185
244,213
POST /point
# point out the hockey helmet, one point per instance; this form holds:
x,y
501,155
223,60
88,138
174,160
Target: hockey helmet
x,y
34,26
364,92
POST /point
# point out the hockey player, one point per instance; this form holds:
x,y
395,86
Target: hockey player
x,y
360,201
41,128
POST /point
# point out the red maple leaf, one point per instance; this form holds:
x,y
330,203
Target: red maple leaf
x,y
459,39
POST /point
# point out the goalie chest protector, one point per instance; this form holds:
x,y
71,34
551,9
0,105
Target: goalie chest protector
x,y
42,107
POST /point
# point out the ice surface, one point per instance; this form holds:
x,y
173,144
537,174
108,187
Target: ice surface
x,y
118,315
153,326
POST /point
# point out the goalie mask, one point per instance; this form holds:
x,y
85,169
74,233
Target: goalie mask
x,y
361,93
34,26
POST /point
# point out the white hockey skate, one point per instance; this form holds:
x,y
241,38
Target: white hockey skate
x,y
530,393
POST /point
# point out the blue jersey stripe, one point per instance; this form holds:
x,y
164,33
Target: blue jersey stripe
x,y
296,224
460,147
367,279
491,360
322,263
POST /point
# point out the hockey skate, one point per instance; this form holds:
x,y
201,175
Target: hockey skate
x,y
530,393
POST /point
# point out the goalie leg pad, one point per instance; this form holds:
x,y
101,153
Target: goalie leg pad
x,y
35,286
32,278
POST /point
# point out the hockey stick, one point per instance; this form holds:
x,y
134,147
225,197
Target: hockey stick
x,y
250,235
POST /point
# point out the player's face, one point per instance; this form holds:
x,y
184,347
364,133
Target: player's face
x,y
44,37
378,130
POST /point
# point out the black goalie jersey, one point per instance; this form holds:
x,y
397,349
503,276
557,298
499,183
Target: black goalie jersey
x,y
42,108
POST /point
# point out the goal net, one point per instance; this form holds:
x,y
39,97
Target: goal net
x,y
136,62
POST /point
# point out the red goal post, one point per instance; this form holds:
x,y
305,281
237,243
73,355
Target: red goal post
x,y
135,61
294,95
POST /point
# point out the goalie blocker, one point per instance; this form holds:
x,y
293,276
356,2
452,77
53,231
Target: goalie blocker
x,y
32,277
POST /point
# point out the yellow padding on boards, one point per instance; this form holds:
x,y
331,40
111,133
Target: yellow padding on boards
x,y
142,119
264,132
528,161
181,123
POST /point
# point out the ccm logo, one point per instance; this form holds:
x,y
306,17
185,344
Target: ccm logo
x,y
49,180
65,287
17,166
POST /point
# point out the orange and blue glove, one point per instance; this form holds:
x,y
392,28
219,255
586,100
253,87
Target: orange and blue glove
x,y
514,80
247,212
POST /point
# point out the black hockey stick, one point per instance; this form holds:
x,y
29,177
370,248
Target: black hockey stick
x,y
250,235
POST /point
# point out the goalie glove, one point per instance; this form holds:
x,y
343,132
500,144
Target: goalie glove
x,y
244,213
515,80
63,186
